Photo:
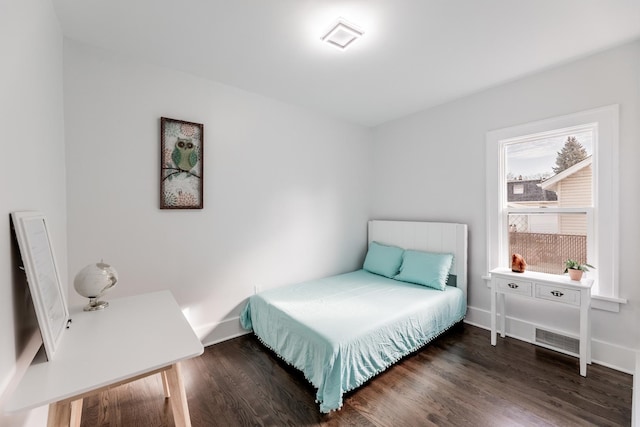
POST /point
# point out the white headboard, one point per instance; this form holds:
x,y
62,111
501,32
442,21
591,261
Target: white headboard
x,y
427,236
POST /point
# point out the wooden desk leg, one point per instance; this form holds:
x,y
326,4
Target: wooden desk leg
x,y
65,414
165,384
59,414
178,396
76,413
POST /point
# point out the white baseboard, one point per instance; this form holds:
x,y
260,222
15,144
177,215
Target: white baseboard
x,y
214,333
603,353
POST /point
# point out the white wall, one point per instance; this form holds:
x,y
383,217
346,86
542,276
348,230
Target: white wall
x,y
33,153
431,165
286,190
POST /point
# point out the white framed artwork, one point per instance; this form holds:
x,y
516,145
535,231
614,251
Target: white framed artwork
x,y
36,251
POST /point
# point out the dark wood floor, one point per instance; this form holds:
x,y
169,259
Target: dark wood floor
x,y
457,380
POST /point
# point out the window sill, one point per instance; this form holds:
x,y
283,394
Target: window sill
x,y
606,303
598,302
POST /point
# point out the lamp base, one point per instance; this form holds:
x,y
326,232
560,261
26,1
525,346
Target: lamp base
x,y
95,305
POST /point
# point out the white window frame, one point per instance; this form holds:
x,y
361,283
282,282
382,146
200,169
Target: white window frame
x,y
603,218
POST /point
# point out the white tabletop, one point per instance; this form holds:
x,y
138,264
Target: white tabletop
x,y
562,279
133,336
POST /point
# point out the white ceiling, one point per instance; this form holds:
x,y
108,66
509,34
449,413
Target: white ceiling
x,y
414,54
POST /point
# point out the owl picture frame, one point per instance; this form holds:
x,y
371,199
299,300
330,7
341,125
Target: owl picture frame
x,y
181,164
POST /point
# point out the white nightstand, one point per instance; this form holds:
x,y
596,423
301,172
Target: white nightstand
x,y
550,287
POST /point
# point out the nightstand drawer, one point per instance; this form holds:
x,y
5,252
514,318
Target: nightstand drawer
x,y
511,286
559,294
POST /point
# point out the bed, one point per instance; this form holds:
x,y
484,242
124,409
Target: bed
x,y
341,331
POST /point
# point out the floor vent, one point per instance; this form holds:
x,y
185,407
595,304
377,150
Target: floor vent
x,y
560,342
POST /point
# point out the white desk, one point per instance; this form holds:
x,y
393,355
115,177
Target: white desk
x,y
549,287
133,338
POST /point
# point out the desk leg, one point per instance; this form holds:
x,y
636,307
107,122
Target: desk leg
x,y
493,315
165,384
76,413
65,414
178,396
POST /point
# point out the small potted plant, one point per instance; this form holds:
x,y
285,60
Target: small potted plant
x,y
575,269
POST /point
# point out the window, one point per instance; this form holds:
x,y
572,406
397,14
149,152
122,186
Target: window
x,y
549,211
552,195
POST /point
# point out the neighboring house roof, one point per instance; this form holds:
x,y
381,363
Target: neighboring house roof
x,y
528,191
552,182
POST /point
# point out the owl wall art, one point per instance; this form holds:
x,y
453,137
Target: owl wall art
x,y
181,157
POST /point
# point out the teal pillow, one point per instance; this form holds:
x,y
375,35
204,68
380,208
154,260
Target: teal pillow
x,y
425,268
383,260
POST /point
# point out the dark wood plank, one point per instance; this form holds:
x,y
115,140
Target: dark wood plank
x,y
457,380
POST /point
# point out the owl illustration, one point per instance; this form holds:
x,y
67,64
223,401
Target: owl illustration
x,y
184,154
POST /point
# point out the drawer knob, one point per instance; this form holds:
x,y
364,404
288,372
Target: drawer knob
x,y
556,293
512,285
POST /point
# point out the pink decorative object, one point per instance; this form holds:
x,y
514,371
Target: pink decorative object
x,y
518,264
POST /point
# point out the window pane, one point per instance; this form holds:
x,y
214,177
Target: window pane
x,y
547,240
552,170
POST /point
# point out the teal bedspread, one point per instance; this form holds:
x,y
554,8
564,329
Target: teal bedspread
x,y
342,330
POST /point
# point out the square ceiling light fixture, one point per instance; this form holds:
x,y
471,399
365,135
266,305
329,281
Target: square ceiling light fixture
x,y
342,34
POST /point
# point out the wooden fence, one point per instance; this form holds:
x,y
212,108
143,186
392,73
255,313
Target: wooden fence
x,y
546,253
